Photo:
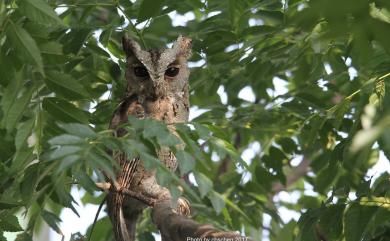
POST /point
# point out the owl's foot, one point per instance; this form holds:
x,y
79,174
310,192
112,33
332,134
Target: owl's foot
x,y
130,193
183,207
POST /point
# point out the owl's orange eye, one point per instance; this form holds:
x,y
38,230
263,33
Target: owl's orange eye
x,y
141,71
172,71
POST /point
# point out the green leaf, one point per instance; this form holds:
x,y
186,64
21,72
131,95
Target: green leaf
x,y
152,129
21,158
164,177
357,217
78,130
146,236
11,93
64,151
8,204
307,226
149,8
175,192
86,182
65,85
52,220
186,161
9,223
23,132
25,45
30,179
341,110
62,192
327,176
202,130
205,184
288,145
64,111
39,11
23,237
67,161
16,110
331,221
224,147
75,40
66,139
217,201
105,37
287,232
100,162
102,228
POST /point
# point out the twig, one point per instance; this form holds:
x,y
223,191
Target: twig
x,y
96,217
141,38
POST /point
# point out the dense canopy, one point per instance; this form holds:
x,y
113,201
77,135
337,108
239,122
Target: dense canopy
x,y
288,97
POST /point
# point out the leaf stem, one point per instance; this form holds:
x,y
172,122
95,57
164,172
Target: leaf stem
x,y
384,76
138,32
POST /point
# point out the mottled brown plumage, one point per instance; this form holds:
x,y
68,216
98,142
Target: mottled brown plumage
x,y
157,87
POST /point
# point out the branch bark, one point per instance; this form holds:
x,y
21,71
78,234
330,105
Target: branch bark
x,y
175,227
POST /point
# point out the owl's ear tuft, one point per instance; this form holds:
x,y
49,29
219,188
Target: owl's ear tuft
x,y
130,46
183,46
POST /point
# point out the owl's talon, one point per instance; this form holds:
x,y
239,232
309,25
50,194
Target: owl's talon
x,y
183,207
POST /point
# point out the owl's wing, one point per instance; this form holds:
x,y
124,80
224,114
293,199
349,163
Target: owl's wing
x,y
124,229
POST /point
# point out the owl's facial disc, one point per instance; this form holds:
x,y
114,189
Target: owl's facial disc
x,y
157,73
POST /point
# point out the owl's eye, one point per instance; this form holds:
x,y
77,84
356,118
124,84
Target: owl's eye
x,y
141,71
172,71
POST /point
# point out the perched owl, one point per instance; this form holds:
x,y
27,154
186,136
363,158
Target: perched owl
x,y
157,87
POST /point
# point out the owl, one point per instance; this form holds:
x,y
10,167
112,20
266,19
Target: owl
x,y
157,87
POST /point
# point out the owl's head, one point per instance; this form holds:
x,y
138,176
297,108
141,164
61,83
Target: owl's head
x,y
153,74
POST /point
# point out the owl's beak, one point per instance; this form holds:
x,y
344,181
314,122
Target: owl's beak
x,y
158,87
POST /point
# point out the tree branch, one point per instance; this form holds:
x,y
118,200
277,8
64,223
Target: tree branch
x,y
175,227
298,172
172,223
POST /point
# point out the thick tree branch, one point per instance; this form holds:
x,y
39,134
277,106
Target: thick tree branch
x,y
175,227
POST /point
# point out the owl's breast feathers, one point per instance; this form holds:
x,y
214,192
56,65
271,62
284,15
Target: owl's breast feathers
x,y
132,173
129,106
126,176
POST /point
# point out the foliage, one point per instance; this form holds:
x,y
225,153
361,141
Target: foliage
x,y
57,68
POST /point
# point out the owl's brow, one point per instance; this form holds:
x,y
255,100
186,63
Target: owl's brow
x,y
138,64
175,63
